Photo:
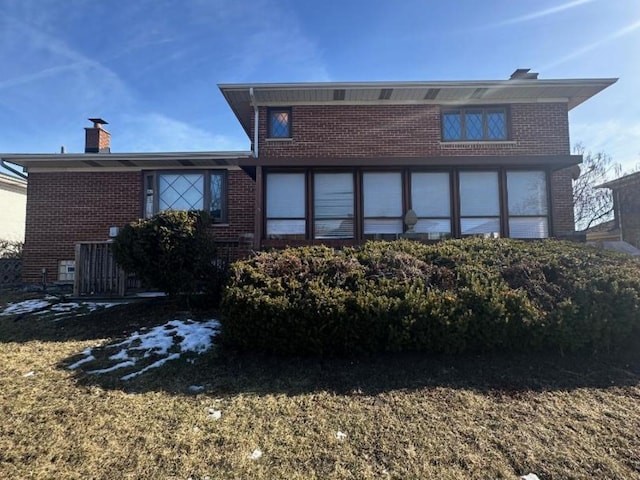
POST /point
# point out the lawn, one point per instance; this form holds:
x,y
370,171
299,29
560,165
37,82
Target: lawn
x,y
220,414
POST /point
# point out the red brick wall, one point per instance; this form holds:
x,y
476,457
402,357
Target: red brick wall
x,y
68,207
561,190
409,131
240,213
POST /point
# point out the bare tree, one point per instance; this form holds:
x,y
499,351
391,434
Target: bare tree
x,y
593,205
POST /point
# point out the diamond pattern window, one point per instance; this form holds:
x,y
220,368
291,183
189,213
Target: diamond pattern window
x,y
193,190
279,120
474,124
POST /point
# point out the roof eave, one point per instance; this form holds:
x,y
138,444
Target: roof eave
x,y
26,160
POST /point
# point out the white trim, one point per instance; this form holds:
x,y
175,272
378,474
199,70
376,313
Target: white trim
x,y
52,168
462,101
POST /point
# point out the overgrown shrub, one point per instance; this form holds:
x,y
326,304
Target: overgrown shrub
x,y
172,251
454,296
10,249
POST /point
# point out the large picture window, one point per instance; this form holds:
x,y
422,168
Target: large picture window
x,y
431,202
193,190
479,203
474,124
527,199
285,199
333,205
382,198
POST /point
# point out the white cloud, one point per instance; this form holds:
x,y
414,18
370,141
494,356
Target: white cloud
x,y
543,13
617,138
592,46
155,132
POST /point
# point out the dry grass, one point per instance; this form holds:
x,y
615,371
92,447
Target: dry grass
x,y
404,416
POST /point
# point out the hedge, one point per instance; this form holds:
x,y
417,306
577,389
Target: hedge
x,y
455,296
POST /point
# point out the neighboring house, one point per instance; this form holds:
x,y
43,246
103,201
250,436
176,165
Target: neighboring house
x,y
625,225
334,163
13,205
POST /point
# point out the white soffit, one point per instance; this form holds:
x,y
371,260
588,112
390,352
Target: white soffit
x,y
571,91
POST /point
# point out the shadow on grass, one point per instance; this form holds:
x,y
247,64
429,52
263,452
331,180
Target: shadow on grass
x,y
116,321
224,373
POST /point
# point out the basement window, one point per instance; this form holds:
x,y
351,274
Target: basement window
x,y
191,190
66,271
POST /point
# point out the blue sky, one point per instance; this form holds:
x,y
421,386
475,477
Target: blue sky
x,y
150,67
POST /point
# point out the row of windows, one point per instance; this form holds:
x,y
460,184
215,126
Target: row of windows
x,y
329,200
381,208
463,124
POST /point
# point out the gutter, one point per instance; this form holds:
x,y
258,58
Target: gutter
x,y
12,170
255,122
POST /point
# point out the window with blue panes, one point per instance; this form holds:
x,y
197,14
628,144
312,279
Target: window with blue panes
x,y
474,124
279,123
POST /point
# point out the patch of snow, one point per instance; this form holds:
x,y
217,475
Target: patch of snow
x,y
117,366
168,341
530,476
196,388
340,435
215,414
121,355
64,307
162,361
26,306
256,454
93,306
88,357
29,306
29,374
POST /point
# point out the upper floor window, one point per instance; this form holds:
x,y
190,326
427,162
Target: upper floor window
x,y
192,190
279,123
474,124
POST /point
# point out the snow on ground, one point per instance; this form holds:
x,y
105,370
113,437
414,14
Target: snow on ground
x,y
39,307
26,306
160,344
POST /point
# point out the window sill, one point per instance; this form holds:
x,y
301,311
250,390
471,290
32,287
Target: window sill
x,y
214,225
467,143
284,139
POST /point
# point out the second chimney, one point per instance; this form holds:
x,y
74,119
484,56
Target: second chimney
x,y
97,139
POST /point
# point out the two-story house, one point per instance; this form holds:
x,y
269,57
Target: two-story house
x,y
340,163
332,163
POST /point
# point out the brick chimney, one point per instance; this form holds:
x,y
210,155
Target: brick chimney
x,y
97,139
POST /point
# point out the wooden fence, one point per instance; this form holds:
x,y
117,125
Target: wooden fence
x,y
97,273
10,272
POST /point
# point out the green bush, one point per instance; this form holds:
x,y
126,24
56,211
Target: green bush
x,y
454,296
173,252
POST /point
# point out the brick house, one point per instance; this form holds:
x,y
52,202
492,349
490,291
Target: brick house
x,y
340,163
333,163
625,225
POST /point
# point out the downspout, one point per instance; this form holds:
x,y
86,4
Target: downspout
x,y
255,122
257,223
12,170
